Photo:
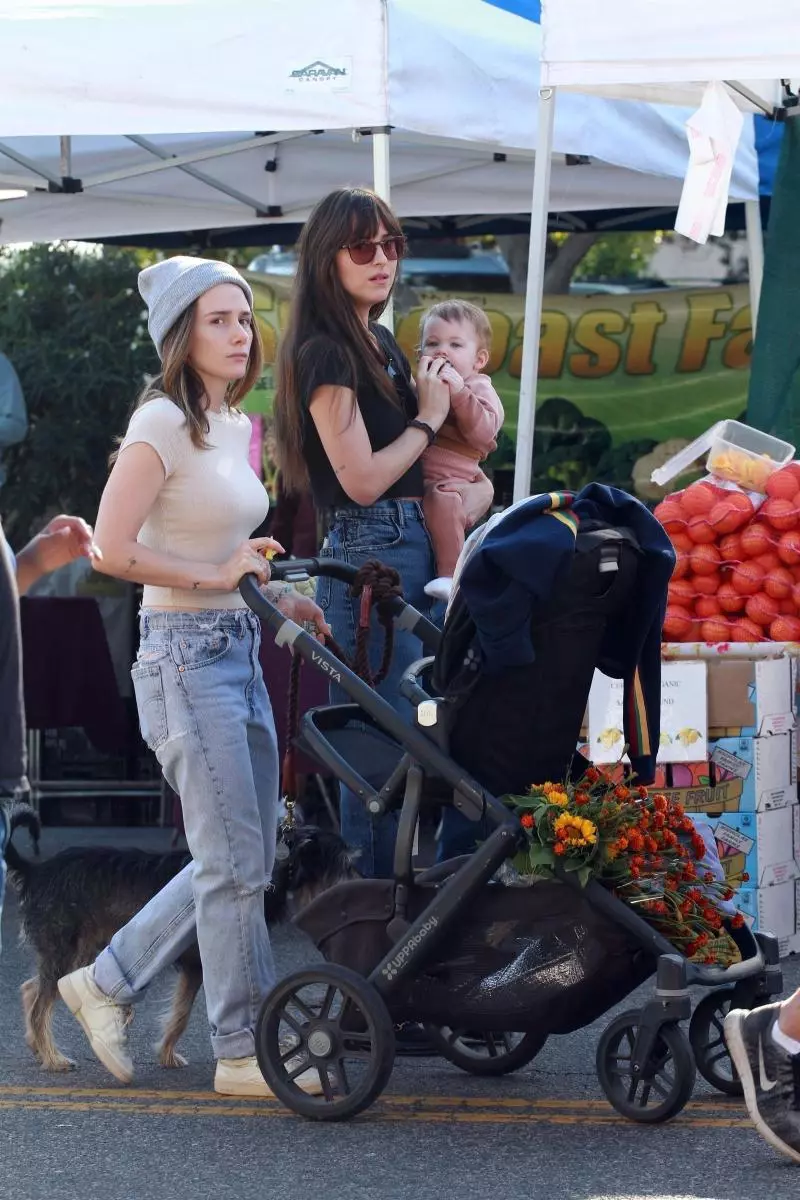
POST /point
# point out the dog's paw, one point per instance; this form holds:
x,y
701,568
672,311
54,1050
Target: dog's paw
x,y
171,1059
59,1062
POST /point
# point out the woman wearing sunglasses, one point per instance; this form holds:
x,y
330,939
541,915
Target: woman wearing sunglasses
x,y
352,425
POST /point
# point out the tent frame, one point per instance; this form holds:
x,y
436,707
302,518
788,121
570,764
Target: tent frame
x,y
534,296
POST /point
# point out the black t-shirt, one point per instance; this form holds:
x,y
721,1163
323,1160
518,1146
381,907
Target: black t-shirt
x,y
323,363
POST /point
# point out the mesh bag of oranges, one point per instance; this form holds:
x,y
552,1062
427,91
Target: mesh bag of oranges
x,y
737,544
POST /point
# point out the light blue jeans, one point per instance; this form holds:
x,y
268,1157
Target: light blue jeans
x,y
392,531
205,712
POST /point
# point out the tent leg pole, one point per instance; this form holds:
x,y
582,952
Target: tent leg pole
x,y
755,256
526,417
65,147
382,185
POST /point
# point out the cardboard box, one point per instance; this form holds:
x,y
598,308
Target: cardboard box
x,y
760,844
762,764
770,909
744,774
751,697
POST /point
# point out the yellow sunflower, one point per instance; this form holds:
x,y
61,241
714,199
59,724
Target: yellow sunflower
x,y
578,830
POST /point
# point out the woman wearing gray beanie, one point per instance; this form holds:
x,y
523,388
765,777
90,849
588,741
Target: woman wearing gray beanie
x,y
176,515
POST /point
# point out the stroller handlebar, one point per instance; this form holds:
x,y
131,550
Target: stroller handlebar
x,y
298,570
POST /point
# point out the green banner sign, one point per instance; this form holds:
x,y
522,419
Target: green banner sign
x,y
624,380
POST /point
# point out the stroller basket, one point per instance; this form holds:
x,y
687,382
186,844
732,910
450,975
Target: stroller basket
x,y
538,959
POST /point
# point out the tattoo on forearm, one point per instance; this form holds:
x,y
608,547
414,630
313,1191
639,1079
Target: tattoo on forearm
x,y
131,564
195,585
340,470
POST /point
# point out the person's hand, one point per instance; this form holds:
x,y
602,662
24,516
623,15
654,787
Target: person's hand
x,y
62,541
301,608
452,378
432,391
248,559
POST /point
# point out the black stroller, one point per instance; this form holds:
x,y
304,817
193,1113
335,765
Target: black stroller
x,y
470,957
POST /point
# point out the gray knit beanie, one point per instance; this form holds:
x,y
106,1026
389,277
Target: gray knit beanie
x,y
169,287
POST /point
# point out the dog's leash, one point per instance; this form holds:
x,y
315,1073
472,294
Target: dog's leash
x,y
377,585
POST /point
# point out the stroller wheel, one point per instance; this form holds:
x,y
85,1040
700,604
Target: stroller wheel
x,y
661,1089
485,1053
708,1042
328,1029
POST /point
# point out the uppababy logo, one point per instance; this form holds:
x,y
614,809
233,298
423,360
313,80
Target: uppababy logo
x,y
391,968
327,667
319,72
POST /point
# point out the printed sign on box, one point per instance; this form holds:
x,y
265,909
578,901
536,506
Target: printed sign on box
x,y
684,725
759,844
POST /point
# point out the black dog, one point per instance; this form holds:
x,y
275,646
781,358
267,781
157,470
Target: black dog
x,y
73,903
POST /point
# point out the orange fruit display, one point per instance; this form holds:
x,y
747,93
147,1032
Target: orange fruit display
x,y
784,484
707,606
744,630
747,577
756,539
778,583
781,514
762,609
789,548
785,629
677,623
729,600
671,516
700,498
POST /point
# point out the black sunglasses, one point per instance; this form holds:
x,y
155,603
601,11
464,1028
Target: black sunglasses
x,y
363,253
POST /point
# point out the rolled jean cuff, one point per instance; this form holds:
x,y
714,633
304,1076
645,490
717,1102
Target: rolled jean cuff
x,y
234,1045
110,979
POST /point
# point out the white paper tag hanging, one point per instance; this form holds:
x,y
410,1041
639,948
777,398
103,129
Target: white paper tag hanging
x,y
713,132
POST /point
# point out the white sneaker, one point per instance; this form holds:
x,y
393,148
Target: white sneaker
x,y
242,1077
103,1021
440,588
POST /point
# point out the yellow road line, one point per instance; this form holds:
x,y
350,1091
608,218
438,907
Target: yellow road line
x,y
378,1113
503,1102
502,1110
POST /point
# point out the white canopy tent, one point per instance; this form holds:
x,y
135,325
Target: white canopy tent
x,y
124,117
657,50
158,100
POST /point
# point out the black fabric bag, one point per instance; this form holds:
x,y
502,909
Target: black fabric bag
x,y
521,725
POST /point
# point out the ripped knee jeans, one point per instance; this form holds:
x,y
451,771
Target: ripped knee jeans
x,y
205,713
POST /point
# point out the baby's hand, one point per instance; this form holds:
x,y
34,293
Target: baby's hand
x,y
452,378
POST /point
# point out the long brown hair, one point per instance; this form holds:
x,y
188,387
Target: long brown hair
x,y
321,307
179,382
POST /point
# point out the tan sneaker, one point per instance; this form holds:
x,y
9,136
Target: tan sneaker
x,y
103,1021
242,1077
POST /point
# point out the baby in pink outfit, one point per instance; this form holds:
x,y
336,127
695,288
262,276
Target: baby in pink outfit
x,y
457,493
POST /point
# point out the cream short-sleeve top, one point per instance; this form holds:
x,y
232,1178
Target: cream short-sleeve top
x,y
211,499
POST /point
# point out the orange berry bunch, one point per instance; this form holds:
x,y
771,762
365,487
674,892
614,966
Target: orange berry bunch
x,y
640,845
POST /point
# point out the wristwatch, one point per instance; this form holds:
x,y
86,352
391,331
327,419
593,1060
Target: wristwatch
x,y
425,427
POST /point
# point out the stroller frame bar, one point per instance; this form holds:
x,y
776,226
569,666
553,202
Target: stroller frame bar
x,y
473,800
428,929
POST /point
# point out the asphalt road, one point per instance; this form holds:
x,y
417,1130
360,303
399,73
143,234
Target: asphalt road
x,y
436,1132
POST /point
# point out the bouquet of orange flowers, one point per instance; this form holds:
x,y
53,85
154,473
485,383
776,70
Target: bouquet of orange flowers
x,y
640,845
